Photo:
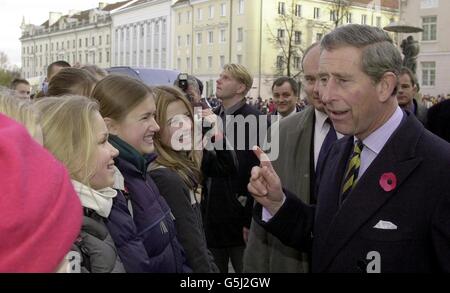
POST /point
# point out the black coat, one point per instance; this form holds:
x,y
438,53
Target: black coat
x,y
227,206
419,206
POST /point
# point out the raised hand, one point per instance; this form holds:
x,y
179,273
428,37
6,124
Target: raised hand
x,y
265,185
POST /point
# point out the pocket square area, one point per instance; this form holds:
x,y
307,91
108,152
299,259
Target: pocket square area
x,y
385,225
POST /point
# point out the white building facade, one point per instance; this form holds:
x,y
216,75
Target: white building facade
x,y
141,35
82,37
433,62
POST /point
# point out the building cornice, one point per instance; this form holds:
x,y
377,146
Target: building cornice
x,y
130,8
65,32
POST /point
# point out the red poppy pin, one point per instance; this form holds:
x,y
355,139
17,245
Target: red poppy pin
x,y
388,182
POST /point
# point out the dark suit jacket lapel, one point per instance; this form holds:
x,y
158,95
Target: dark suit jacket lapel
x,y
398,157
328,195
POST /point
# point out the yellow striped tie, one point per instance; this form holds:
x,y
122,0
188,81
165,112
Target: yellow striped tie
x,y
351,176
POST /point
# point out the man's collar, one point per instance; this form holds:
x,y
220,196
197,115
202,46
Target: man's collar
x,y
320,118
234,108
377,139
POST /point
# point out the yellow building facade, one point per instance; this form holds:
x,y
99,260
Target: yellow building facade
x,y
210,33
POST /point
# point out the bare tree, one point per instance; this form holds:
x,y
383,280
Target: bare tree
x,y
4,60
287,37
7,73
339,9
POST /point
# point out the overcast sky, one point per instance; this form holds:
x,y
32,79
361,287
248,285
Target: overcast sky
x,y
35,12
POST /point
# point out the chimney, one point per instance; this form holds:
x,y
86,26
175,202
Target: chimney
x,y
53,18
102,5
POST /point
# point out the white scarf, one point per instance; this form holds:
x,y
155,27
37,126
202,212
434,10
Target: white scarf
x,y
100,201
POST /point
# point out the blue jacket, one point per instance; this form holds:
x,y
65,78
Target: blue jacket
x,y
129,244
152,216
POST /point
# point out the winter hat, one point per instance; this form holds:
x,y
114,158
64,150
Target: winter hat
x,y
41,213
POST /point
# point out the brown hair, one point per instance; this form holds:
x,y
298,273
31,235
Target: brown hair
x,y
18,81
118,95
186,164
71,81
96,71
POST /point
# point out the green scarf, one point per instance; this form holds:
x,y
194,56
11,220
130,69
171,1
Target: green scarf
x,y
129,153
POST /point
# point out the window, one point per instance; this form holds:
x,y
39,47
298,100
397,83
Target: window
x,y
425,4
316,13
188,63
378,21
298,37
363,19
188,40
100,55
199,14
297,61
222,36
349,17
429,25
319,37
239,59
222,61
86,42
107,56
241,7
199,62
199,38
211,11
99,40
332,15
179,19
80,44
210,37
107,39
57,47
74,43
210,61
188,17
240,34
281,8
280,33
223,9
280,62
62,45
46,47
179,41
428,73
298,11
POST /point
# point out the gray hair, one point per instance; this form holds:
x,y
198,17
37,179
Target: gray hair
x,y
379,55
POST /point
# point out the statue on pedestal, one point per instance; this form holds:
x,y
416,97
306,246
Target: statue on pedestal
x,y
411,50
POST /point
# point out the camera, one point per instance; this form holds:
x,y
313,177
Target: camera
x,y
183,82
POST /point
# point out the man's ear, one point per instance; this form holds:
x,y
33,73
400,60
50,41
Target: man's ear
x,y
241,89
386,86
111,125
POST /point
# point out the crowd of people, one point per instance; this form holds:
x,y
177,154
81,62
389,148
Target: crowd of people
x,y
105,174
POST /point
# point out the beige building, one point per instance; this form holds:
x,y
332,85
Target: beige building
x,y
209,34
433,63
78,37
